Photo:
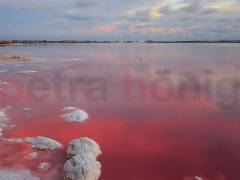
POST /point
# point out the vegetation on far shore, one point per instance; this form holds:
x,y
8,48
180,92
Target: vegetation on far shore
x,y
4,43
9,42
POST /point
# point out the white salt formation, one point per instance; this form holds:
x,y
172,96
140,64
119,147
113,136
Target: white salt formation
x,y
2,82
198,178
32,156
77,115
3,120
3,115
27,72
17,175
44,166
82,167
69,108
13,140
43,143
26,109
83,145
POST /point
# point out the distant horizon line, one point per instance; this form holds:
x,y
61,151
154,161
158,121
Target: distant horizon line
x,y
113,41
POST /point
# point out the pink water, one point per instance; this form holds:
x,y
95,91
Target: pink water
x,y
144,133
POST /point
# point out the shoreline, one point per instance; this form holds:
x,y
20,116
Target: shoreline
x,y
17,42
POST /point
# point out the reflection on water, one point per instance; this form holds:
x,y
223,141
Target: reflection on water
x,y
158,111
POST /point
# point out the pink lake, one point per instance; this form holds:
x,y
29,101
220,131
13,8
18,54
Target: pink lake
x,y
158,111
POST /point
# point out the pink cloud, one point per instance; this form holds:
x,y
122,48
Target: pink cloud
x,y
99,29
109,28
157,30
115,27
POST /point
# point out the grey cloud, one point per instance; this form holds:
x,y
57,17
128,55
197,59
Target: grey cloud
x,y
167,10
194,6
208,11
142,16
86,3
85,10
83,17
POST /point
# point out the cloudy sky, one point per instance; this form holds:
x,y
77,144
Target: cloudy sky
x,y
120,19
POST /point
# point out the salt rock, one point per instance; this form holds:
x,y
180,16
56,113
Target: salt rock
x,y
43,143
76,115
83,145
82,167
17,175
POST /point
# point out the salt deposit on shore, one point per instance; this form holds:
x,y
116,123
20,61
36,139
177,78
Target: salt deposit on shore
x,y
7,57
